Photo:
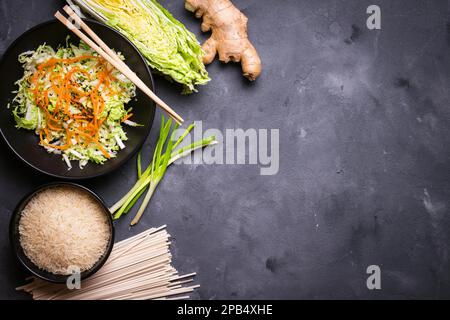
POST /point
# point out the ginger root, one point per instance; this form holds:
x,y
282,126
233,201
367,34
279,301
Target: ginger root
x,y
229,35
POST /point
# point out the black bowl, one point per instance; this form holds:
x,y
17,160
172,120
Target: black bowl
x,y
14,236
24,143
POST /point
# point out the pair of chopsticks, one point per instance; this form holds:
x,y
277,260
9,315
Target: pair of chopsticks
x,y
103,50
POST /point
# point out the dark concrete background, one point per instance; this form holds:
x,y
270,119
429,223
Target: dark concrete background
x,y
364,123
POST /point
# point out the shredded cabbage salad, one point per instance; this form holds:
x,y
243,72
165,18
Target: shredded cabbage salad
x,y
75,101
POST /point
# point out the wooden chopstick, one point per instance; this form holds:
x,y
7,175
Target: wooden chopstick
x,y
116,62
92,34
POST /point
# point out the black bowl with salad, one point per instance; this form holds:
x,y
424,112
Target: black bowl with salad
x,y
65,111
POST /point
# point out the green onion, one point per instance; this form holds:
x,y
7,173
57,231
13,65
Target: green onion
x,y
149,179
139,164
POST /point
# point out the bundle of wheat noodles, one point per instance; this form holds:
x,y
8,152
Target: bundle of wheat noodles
x,y
138,268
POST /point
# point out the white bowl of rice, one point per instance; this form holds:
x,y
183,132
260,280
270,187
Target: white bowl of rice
x,y
62,229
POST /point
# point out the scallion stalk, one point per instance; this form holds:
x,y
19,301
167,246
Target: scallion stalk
x,y
149,179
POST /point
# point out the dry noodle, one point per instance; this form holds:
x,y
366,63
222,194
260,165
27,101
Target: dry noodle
x,y
138,268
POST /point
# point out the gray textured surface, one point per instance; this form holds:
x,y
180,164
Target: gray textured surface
x,y
364,124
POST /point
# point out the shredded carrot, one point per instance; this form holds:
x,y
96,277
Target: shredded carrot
x,y
100,147
128,116
84,127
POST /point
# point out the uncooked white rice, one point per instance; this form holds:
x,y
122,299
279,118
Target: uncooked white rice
x,y
63,227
